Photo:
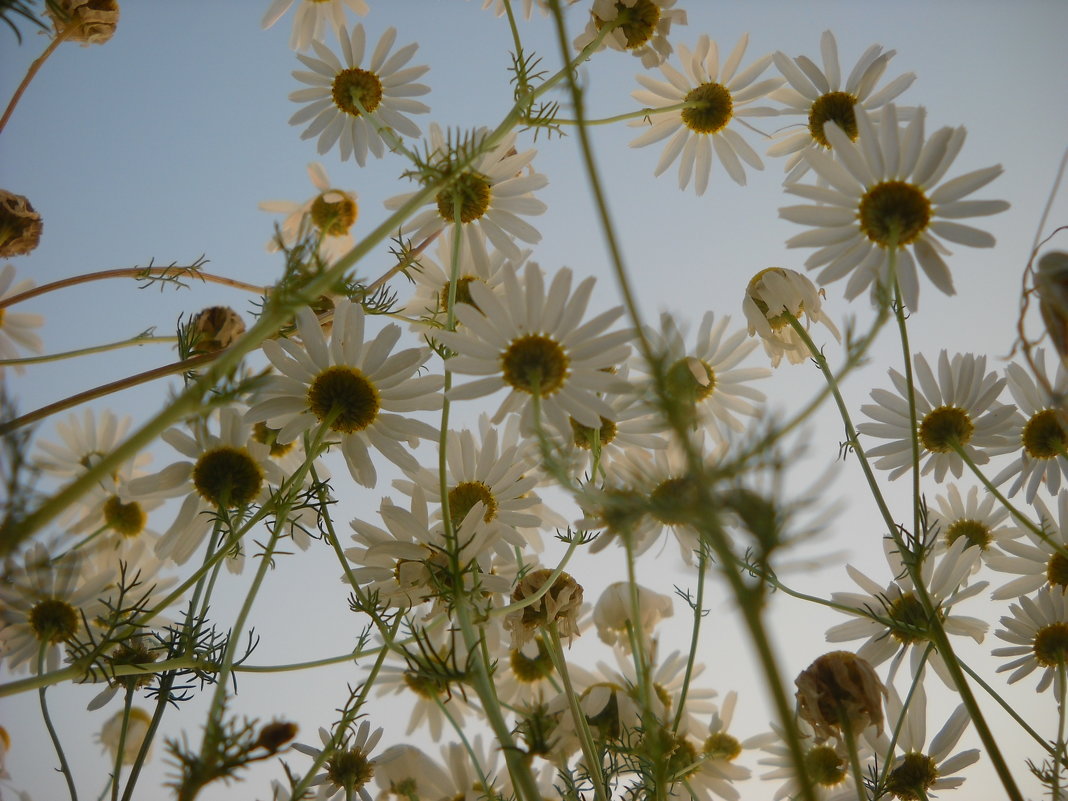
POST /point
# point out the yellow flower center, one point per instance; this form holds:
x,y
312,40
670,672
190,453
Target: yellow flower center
x,y
836,107
824,766
1057,570
352,86
894,213
974,531
583,435
265,435
944,428
227,477
714,112
1051,645
464,496
535,364
691,379
530,669
346,392
53,620
911,780
349,769
128,519
721,745
334,212
463,292
638,22
674,501
473,193
908,620
1044,437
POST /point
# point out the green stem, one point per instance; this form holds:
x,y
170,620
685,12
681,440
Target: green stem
x,y
165,684
120,752
71,354
63,766
632,115
695,635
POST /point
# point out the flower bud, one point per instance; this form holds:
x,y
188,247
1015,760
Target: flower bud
x,y
840,688
20,225
85,21
276,734
214,329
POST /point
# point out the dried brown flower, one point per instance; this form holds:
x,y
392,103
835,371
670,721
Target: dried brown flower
x,y
215,329
840,688
559,606
85,21
20,225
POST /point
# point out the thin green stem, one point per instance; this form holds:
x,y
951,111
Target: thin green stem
x,y
632,115
63,766
165,683
56,41
1009,708
120,752
72,354
695,635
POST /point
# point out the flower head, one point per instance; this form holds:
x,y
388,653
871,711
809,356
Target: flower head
x,y
720,95
558,607
16,328
840,691
883,195
331,213
612,614
349,766
136,730
770,294
342,95
980,520
312,17
20,225
1039,559
1037,630
640,27
85,21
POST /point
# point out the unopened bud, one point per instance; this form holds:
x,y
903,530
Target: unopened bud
x,y
276,734
214,329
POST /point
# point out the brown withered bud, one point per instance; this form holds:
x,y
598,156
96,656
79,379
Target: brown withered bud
x,y
215,329
276,734
559,606
85,21
20,225
839,689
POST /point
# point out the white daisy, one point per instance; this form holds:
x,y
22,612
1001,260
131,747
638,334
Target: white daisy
x,y
1038,631
1039,561
16,328
351,386
1043,458
642,29
774,291
980,520
535,344
884,192
312,17
708,376
137,726
225,471
405,772
820,96
526,677
349,767
528,7
826,763
723,95
493,194
332,213
893,619
612,614
338,92
916,773
957,409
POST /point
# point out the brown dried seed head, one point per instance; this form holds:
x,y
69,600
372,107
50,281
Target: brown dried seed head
x,y
216,328
840,688
85,21
20,225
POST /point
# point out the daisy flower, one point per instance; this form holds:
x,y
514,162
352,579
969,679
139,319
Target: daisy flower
x,y
884,192
641,27
1040,561
493,195
43,604
528,7
956,409
349,767
332,212
826,762
893,619
137,727
16,328
618,508
535,344
820,96
980,521
312,17
1038,632
916,773
707,376
407,772
720,96
224,471
339,94
1043,459
772,293
350,386
612,614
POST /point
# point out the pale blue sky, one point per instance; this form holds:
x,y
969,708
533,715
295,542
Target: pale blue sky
x,y
161,143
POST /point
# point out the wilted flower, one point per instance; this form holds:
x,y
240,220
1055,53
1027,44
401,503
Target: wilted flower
x,y
20,225
215,328
612,614
136,730
85,21
840,688
558,607
772,293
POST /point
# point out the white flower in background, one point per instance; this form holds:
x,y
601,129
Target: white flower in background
x,y
331,213
136,730
493,195
885,192
903,622
339,94
16,328
612,614
819,95
352,387
42,604
979,520
349,766
826,763
1043,441
528,7
642,28
1037,629
533,343
312,17
772,293
404,771
957,408
696,131
1040,560
707,376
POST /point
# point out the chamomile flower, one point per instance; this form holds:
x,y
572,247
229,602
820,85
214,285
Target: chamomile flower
x,y
534,344
826,763
311,18
528,7
916,773
332,213
349,766
820,96
1039,561
339,94
884,194
892,617
352,387
640,27
1043,441
1037,629
16,328
720,95
405,772
612,614
772,293
137,727
85,441
708,376
979,520
492,195
957,409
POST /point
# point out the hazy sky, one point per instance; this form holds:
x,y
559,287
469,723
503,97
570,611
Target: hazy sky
x,y
160,144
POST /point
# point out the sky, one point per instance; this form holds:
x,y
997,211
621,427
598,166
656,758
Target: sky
x,y
160,144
